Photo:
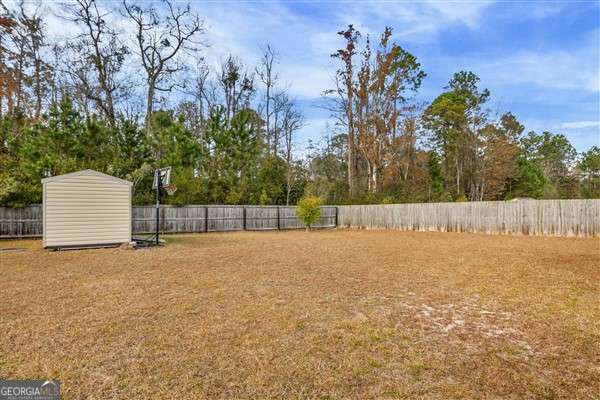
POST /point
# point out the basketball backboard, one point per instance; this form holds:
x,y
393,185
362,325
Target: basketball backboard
x,y
165,177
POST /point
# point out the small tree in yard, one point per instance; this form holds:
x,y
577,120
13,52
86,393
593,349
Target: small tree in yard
x,y
309,210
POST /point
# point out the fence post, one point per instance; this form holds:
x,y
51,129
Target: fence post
x,y
205,218
278,219
20,226
336,216
244,216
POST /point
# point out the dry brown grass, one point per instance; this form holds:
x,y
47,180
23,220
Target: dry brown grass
x,y
328,314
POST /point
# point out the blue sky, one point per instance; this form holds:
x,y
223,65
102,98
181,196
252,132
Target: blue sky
x,y
540,60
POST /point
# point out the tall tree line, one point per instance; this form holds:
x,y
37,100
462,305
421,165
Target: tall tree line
x,y
128,97
387,147
73,104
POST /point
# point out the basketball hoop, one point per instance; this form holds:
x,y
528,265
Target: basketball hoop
x,y
162,180
170,189
162,174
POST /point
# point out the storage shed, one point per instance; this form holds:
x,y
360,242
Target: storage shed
x,y
86,209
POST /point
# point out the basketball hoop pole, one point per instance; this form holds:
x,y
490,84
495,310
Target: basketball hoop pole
x,y
162,180
158,186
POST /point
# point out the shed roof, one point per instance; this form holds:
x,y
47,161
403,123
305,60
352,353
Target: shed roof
x,y
86,172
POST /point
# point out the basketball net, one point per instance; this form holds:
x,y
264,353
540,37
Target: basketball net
x,y
170,189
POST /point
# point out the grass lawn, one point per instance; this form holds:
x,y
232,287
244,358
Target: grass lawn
x,y
321,315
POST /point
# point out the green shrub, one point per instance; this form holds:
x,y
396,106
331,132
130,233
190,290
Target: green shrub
x,y
387,200
461,199
309,210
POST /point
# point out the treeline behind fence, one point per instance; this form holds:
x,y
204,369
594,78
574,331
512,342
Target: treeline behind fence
x,y
530,217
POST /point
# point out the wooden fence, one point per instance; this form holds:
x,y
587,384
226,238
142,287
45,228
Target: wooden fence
x,y
27,221
535,217
21,222
224,218
530,217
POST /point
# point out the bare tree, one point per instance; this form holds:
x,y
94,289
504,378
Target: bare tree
x,y
21,61
98,45
8,81
279,109
269,79
346,90
22,68
237,86
54,78
197,107
16,57
161,39
201,98
34,27
293,120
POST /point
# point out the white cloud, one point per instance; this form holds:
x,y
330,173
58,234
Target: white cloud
x,y
565,70
245,29
324,42
573,69
415,21
545,9
307,82
580,125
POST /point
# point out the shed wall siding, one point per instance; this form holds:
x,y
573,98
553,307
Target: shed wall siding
x,y
86,210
